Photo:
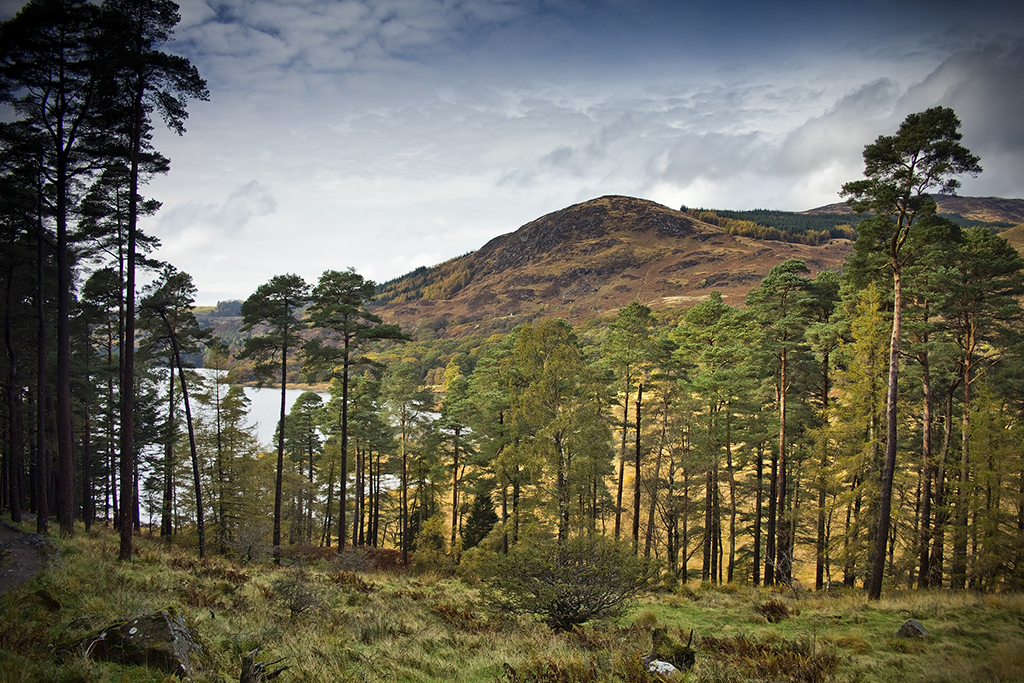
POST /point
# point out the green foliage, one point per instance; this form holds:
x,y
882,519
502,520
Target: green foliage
x,y
273,308
570,583
480,521
432,552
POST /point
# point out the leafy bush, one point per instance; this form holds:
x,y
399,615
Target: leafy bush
x,y
432,553
570,583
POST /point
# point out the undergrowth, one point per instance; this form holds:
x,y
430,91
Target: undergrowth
x,y
355,618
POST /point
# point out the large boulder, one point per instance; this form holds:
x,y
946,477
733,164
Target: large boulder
x,y
161,641
911,628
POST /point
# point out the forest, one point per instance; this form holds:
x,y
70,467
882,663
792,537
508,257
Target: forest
x,y
858,428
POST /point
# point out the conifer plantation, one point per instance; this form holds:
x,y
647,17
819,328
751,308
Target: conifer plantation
x,y
787,471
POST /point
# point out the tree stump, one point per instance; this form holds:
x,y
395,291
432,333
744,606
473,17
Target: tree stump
x,y
256,672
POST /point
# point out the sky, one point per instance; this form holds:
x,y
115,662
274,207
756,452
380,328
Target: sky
x,y
384,135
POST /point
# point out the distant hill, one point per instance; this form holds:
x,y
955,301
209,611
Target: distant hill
x,y
586,260
589,259
980,209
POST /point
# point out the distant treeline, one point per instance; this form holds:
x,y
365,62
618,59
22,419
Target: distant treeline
x,y
782,226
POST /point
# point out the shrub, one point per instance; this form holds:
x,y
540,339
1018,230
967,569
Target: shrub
x,y
432,554
569,583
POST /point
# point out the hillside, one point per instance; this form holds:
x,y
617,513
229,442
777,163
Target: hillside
x,y
588,259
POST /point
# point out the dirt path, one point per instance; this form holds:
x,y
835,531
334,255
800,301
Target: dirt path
x,y
22,555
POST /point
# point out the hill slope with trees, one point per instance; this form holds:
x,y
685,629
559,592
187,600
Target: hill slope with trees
x,y
588,259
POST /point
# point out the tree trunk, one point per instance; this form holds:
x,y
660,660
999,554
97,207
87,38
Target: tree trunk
x,y
65,458
653,489
784,544
200,523
889,466
732,494
924,532
960,533
622,464
40,490
936,559
165,507
405,498
819,554
279,482
455,487
637,478
343,478
758,505
16,436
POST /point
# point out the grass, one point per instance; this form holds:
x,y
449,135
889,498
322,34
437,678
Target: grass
x,y
332,623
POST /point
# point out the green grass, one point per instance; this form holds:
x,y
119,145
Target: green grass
x,y
330,624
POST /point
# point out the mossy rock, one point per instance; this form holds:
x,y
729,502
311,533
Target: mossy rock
x,y
162,641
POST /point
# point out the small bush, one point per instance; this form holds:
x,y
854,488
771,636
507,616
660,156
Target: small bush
x,y
384,559
774,611
432,553
297,593
461,617
569,583
352,560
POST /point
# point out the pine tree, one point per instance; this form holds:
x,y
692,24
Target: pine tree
x,y
275,305
899,171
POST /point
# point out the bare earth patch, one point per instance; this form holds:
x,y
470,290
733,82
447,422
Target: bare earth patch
x,y
22,555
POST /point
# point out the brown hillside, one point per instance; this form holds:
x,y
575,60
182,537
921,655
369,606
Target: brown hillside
x,y
1015,236
589,259
988,209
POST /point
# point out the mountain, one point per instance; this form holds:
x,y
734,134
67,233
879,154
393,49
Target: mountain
x,y
586,260
986,209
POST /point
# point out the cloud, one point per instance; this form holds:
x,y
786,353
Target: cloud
x,y
226,219
837,135
388,134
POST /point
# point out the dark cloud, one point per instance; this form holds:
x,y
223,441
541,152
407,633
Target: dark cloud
x,y
985,87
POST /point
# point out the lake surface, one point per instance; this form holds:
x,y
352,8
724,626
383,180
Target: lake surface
x,y
265,407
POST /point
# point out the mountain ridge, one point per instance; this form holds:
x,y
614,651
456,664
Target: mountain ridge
x,y
990,209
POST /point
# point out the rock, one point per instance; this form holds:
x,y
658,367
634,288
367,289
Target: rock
x,y
162,641
659,667
911,628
